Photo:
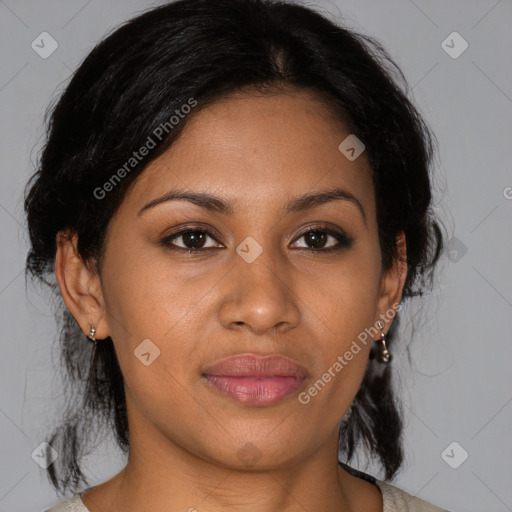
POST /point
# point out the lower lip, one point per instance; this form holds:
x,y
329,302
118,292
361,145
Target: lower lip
x,y
255,391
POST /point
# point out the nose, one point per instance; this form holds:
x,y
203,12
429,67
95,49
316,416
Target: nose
x,y
260,296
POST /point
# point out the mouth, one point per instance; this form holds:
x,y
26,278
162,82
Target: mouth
x,y
255,380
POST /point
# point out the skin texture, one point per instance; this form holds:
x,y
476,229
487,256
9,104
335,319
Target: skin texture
x,y
256,151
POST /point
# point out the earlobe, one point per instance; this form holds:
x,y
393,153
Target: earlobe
x,y
79,286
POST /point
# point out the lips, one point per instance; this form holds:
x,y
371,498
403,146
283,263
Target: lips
x,y
249,365
255,380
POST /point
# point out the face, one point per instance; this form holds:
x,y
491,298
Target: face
x,y
184,285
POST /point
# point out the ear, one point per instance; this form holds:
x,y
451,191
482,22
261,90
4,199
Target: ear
x,y
392,283
80,286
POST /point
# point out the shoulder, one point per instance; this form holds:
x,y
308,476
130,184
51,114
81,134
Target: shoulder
x,y
73,504
395,499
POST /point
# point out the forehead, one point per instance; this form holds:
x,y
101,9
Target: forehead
x,y
259,147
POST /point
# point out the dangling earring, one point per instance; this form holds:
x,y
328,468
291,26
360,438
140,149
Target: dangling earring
x,y
384,355
92,339
92,332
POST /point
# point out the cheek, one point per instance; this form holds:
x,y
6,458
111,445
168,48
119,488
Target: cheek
x,y
141,289
153,305
150,312
344,293
344,311
342,304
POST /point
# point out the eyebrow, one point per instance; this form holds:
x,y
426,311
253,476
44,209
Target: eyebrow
x,y
218,205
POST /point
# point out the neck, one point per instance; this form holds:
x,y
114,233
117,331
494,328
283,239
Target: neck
x,y
165,477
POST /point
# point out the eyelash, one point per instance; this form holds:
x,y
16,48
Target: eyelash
x,y
344,241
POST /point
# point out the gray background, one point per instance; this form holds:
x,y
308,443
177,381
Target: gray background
x,y
459,386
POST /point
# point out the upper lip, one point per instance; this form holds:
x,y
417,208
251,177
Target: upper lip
x,y
252,365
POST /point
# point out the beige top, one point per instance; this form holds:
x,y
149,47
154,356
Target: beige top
x,y
395,500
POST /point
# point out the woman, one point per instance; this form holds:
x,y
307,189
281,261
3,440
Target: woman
x,y
235,199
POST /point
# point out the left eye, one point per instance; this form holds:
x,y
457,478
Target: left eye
x,y
319,236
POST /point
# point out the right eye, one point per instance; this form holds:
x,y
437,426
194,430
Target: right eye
x,y
193,240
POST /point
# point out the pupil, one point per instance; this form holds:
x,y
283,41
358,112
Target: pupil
x,y
193,237
316,238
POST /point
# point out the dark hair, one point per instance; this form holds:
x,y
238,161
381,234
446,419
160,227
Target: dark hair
x,y
204,50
